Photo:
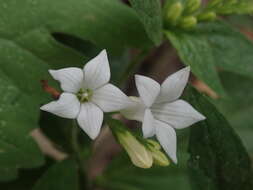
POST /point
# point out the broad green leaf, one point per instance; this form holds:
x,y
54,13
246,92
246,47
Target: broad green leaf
x,y
238,107
241,21
218,157
150,14
240,95
106,23
28,50
195,51
121,174
62,176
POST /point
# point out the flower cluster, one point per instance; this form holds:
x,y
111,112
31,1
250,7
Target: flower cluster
x,y
186,14
88,93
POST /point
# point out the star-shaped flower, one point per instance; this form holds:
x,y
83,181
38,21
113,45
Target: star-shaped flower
x,y
160,110
87,94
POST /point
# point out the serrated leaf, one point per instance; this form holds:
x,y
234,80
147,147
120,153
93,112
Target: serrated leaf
x,y
218,157
150,14
195,51
214,45
28,50
62,175
231,50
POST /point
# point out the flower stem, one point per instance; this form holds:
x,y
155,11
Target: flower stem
x,y
77,153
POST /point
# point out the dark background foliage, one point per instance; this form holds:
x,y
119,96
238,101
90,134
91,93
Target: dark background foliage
x,y
36,35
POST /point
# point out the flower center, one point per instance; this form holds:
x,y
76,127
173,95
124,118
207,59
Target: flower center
x,y
84,95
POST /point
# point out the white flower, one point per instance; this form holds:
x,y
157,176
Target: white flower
x,y
160,110
87,94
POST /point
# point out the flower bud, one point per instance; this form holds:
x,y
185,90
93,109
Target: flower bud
x,y
174,12
214,3
208,16
160,158
154,144
231,2
137,152
192,6
188,22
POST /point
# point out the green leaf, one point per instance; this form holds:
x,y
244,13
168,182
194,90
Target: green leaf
x,y
231,50
238,108
212,45
150,14
240,95
195,51
63,176
28,50
218,158
123,175
27,177
106,23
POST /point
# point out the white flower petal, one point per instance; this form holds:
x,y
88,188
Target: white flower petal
x,y
148,124
71,78
68,106
97,71
90,119
178,114
110,98
135,111
173,86
147,88
166,135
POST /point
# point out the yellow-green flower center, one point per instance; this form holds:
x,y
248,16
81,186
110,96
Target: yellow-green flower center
x,y
84,95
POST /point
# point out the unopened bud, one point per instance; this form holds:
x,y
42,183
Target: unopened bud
x,y
188,22
154,144
160,158
230,2
192,6
214,3
137,152
208,16
246,8
174,12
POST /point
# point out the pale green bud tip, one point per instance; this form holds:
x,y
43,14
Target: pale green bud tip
x,y
214,3
154,144
208,16
192,6
174,12
137,152
188,22
160,158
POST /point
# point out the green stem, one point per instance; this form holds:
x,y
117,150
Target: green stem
x,y
77,151
74,142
